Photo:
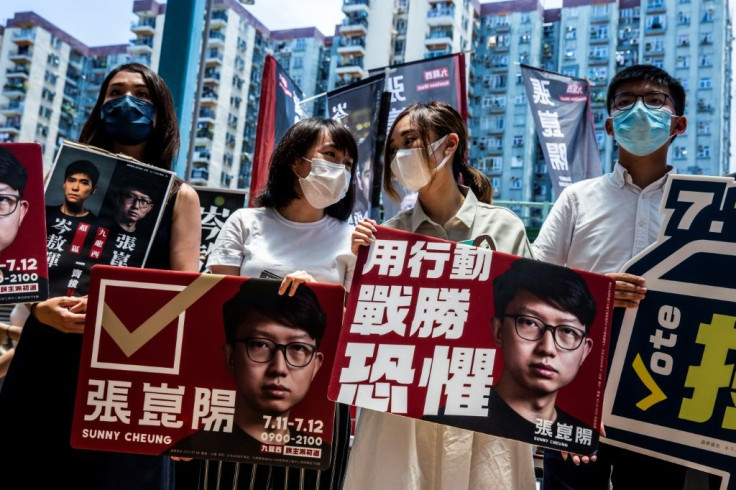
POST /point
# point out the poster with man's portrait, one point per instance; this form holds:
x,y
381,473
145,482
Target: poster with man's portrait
x,y
23,271
209,366
100,209
477,339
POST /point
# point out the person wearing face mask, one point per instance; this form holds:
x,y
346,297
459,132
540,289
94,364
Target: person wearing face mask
x,y
601,223
133,115
427,149
299,233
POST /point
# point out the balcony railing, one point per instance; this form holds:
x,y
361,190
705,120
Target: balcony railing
x,y
200,174
351,62
440,13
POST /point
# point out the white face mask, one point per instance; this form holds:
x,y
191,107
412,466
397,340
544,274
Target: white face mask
x,y
410,169
326,183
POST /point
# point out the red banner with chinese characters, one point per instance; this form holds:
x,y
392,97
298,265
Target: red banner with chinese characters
x,y
23,271
481,340
208,366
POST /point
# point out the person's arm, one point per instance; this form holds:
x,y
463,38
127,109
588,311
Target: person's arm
x,y
363,234
227,270
10,332
63,313
553,242
5,359
228,252
186,231
629,289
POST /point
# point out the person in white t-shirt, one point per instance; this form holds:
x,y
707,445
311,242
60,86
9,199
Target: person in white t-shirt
x,y
299,233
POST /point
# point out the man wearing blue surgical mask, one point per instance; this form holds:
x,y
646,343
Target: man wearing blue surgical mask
x,y
601,223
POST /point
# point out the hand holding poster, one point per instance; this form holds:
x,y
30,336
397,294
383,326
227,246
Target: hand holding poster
x,y
210,366
100,209
672,386
23,271
423,339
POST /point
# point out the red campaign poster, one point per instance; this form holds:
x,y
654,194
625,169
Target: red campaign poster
x,y
23,272
208,366
480,340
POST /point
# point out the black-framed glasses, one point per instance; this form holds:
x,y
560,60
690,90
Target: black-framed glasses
x,y
135,200
8,204
297,354
652,100
566,337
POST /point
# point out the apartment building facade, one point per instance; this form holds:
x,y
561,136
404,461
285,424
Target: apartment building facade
x,y
378,33
50,80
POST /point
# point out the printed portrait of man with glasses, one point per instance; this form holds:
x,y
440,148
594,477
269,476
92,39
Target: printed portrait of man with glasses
x,y
13,207
135,200
272,349
543,315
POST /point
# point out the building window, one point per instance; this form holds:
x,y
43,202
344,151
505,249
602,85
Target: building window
x,y
518,140
600,10
300,44
705,83
703,151
298,63
515,183
656,22
680,152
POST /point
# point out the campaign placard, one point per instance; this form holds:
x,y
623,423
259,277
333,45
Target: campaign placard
x,y
216,206
481,340
672,386
23,271
100,209
209,366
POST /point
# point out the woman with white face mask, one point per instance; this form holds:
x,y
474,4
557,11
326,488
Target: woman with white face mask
x,y
426,151
300,224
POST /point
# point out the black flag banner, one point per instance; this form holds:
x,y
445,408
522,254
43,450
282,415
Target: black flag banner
x,y
561,109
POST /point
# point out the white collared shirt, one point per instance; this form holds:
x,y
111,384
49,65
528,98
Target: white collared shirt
x,y
601,223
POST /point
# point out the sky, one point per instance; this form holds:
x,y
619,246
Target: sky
x,y
102,22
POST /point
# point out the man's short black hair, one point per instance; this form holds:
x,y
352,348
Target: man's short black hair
x,y
83,167
12,172
563,288
148,187
648,73
260,297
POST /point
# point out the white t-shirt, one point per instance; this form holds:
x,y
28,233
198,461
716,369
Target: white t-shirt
x,y
258,239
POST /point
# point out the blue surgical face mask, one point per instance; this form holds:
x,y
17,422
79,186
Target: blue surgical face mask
x,y
642,131
128,120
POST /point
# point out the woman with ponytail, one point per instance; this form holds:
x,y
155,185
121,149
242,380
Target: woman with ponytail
x,y
427,149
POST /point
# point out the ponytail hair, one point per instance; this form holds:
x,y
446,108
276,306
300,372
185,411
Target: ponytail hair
x,y
441,119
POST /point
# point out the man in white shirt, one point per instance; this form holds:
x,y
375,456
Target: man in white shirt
x,y
599,224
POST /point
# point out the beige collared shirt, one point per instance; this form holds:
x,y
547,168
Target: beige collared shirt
x,y
474,220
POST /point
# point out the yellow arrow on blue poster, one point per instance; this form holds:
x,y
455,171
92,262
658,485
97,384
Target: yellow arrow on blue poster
x,y
656,395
